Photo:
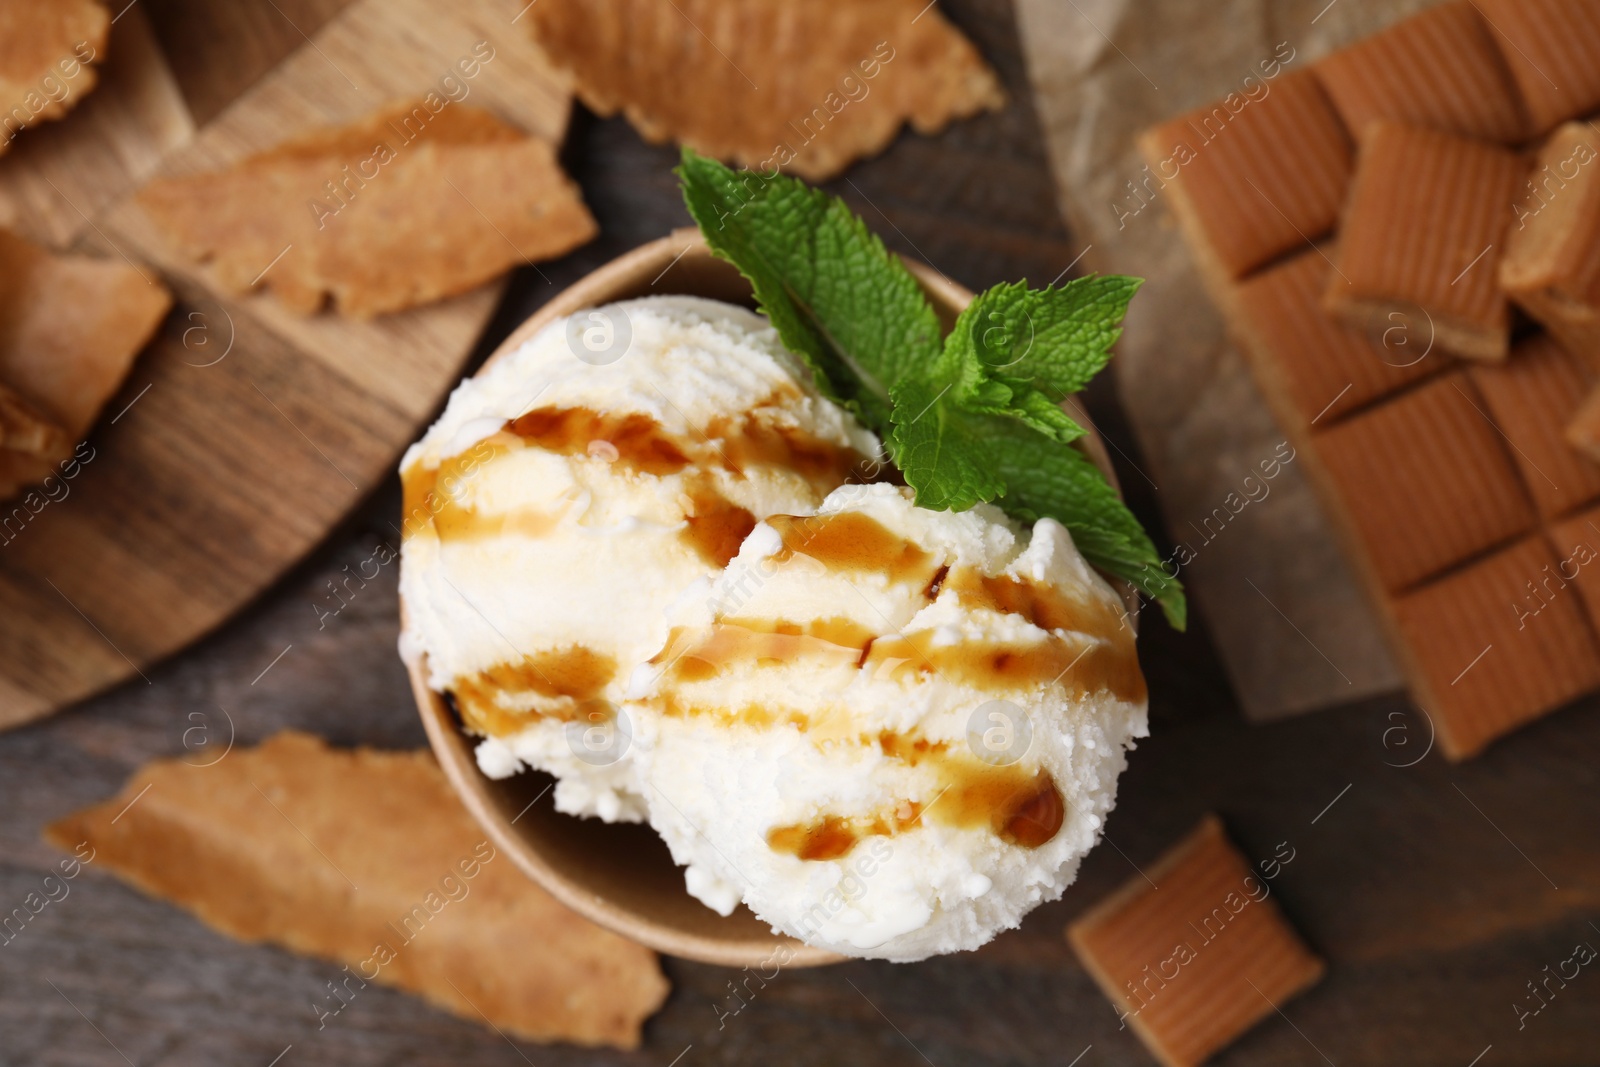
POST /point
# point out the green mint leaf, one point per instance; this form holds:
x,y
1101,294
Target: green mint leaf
x,y
1055,339
1027,405
937,447
1044,479
955,457
837,297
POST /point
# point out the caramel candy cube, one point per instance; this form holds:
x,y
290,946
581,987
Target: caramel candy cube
x,y
1250,178
1497,644
1325,367
1552,48
1583,430
1531,398
1577,546
1422,238
1439,69
1552,263
1198,953
1427,481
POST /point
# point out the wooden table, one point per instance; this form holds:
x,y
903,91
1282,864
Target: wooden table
x,y
1436,892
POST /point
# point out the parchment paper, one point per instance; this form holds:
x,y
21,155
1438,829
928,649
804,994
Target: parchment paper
x,y
1284,608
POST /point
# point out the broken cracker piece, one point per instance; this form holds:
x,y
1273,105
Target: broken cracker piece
x,y
1497,644
1423,234
367,858
407,206
1552,48
46,48
1439,68
1252,178
1194,952
1426,481
808,88
1552,263
70,328
1531,398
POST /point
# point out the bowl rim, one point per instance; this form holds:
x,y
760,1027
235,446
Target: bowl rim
x,y
453,748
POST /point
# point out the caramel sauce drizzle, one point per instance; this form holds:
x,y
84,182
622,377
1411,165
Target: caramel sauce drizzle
x,y
570,679
852,542
693,655
1019,806
716,527
991,665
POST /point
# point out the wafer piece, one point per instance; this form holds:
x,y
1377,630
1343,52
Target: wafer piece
x,y
808,88
1194,952
46,48
1251,179
1423,235
1531,398
1325,367
420,201
1496,645
70,327
1438,69
368,859
1426,479
1576,542
1552,263
1552,48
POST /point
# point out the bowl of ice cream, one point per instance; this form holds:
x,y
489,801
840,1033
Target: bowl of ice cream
x,y
697,663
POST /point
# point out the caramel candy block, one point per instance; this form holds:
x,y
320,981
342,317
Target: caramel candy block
x,y
1583,431
1552,263
368,859
1577,546
1439,69
1426,480
1422,239
1497,644
1250,179
1325,367
1552,48
1195,963
1531,398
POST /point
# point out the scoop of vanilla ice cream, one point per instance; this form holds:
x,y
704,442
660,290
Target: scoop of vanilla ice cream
x,y
570,492
890,731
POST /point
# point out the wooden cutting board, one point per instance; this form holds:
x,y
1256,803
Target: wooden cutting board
x,y
244,433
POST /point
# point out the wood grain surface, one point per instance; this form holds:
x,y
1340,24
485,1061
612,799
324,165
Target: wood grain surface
x,y
244,431
1434,892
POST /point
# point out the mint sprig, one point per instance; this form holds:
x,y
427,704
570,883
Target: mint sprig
x,y
975,416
